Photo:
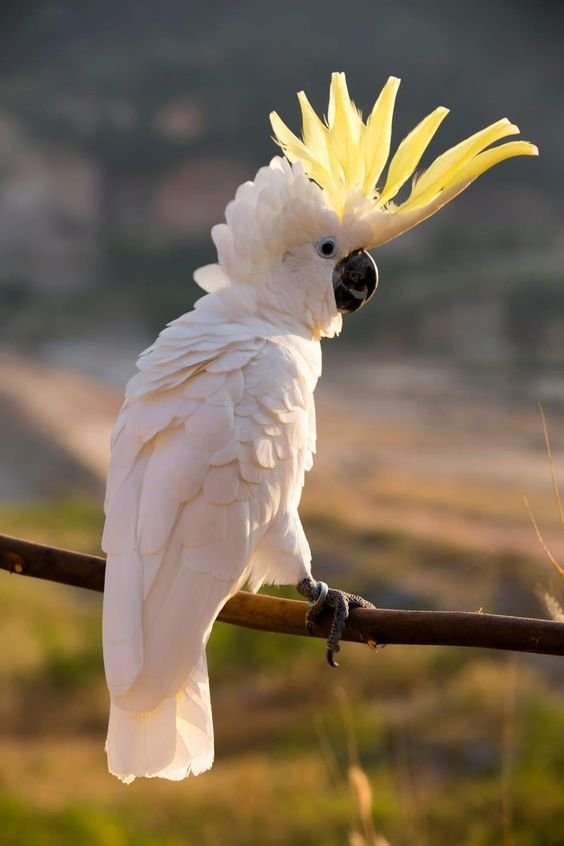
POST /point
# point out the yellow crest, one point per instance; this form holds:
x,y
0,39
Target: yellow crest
x,y
345,156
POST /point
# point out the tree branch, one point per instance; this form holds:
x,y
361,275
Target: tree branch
x,y
286,616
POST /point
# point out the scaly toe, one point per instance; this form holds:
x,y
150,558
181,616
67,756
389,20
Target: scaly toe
x,y
316,610
321,597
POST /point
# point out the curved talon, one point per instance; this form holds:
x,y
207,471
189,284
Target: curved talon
x,y
331,657
320,596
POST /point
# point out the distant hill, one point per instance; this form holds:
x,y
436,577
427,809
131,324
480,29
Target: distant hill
x,y
124,130
428,442
55,431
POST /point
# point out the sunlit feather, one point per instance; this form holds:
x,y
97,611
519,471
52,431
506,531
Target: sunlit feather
x,y
444,170
409,153
483,161
378,135
345,125
346,157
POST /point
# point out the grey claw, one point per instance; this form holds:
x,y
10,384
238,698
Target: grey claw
x,y
331,657
320,596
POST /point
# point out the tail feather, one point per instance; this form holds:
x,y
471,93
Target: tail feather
x,y
173,741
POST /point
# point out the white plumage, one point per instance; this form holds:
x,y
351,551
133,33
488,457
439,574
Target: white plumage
x,y
218,426
208,459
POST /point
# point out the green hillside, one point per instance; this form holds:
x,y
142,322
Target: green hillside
x,y
460,746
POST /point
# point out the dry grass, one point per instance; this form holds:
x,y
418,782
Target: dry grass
x,y
437,745
363,830
362,792
404,770
552,605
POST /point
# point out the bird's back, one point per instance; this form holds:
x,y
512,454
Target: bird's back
x,y
208,459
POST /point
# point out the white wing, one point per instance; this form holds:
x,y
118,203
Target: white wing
x,y
207,467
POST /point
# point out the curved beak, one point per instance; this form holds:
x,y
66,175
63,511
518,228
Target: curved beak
x,y
355,278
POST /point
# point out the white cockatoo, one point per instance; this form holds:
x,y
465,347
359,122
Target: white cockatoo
x,y
218,426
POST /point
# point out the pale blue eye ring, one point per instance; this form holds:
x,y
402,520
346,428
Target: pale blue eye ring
x,y
326,247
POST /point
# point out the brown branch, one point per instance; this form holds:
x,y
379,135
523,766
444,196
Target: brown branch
x,y
286,616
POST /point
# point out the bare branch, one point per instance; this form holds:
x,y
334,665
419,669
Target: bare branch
x,y
286,616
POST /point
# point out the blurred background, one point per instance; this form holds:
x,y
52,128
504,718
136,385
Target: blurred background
x,y
124,130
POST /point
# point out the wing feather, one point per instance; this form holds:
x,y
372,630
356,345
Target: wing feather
x,y
123,647
209,449
175,473
221,485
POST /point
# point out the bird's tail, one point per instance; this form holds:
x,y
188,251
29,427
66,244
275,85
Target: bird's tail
x,y
172,741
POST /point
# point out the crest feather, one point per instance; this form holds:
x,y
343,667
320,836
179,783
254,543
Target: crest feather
x,y
346,157
409,153
377,136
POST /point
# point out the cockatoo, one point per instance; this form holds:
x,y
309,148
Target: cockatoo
x,y
218,426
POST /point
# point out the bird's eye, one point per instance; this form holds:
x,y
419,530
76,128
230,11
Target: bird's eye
x,y
327,247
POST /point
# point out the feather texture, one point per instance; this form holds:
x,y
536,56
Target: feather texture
x,y
346,158
218,425
409,153
209,459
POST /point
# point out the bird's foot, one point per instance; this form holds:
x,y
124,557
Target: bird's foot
x,y
322,597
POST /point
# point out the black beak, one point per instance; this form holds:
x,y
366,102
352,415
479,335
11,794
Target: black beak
x,y
355,278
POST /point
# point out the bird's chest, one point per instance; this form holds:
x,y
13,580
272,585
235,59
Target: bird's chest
x,y
276,413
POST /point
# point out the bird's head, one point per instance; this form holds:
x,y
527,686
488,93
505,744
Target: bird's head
x,y
295,239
